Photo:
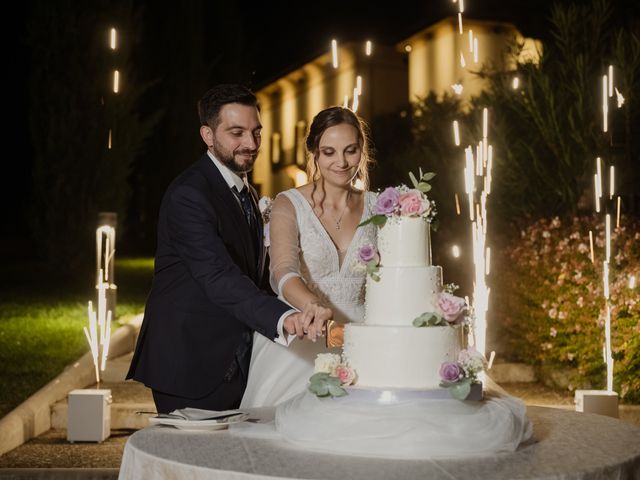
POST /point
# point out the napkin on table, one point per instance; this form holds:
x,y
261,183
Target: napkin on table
x,y
197,414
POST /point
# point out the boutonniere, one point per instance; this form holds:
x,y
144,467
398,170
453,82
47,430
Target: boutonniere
x,y
264,204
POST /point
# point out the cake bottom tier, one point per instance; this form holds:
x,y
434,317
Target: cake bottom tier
x,y
400,357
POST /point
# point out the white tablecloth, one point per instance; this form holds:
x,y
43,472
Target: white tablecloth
x,y
568,445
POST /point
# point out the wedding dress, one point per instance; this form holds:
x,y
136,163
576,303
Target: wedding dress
x,y
300,246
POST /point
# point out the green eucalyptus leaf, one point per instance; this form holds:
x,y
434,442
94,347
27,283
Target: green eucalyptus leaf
x,y
424,187
337,391
319,377
461,389
368,220
413,179
379,220
320,390
419,322
428,176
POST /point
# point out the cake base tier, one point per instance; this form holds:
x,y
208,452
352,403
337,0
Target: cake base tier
x,y
400,357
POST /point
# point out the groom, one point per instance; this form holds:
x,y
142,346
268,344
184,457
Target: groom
x,y
195,342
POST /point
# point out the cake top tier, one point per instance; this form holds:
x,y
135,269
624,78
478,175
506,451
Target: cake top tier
x,y
404,216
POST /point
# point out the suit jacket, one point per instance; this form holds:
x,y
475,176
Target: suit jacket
x,y
204,303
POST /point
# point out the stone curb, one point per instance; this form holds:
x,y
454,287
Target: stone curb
x,y
33,416
60,473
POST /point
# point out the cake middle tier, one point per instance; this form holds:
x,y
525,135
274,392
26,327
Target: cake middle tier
x,y
400,357
401,294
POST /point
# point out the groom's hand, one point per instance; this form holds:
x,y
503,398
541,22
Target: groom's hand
x,y
293,325
314,318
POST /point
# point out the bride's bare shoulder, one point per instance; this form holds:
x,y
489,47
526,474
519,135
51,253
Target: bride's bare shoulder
x,y
306,190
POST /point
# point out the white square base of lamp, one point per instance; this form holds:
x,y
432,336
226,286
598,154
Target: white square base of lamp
x,y
89,415
601,402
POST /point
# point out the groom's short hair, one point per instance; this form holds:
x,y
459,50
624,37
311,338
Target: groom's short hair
x,y
211,103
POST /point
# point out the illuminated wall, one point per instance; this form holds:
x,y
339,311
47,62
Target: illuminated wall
x,y
289,104
434,55
391,76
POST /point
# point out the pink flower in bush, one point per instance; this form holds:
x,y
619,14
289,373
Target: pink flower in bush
x,y
387,201
411,203
345,374
450,372
451,306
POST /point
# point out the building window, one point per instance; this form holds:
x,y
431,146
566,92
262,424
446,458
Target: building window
x,y
300,151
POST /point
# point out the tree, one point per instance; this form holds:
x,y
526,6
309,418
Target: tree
x,y
72,110
547,134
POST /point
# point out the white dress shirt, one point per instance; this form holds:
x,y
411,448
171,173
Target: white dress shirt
x,y
234,180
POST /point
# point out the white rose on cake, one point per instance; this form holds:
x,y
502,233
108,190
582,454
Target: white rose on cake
x,y
327,363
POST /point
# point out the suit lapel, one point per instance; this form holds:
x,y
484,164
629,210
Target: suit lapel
x,y
223,194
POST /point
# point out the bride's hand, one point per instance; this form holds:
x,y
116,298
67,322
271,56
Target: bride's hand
x,y
314,319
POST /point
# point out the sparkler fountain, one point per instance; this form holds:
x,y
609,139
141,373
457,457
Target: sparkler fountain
x,y
604,402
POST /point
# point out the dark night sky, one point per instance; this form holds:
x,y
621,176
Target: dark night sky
x,y
270,49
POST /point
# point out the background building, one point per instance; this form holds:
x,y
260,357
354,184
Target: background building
x,y
389,77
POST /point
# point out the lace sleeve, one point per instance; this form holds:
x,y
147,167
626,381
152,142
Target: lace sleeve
x,y
284,250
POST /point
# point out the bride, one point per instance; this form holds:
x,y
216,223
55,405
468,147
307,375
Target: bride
x,y
314,238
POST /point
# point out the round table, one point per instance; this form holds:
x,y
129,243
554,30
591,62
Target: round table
x,y
567,445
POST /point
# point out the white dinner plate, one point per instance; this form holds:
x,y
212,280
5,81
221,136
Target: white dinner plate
x,y
199,424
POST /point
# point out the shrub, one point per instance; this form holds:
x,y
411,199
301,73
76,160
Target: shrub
x,y
550,309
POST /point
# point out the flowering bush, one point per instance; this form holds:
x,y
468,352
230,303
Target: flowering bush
x,y
458,376
332,373
404,201
550,306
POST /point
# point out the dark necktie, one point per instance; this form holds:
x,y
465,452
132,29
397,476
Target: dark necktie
x,y
244,196
245,202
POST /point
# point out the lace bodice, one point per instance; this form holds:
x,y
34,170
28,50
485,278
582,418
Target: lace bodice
x,y
300,246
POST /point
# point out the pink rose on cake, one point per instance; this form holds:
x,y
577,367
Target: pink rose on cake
x,y
451,306
412,203
345,374
448,311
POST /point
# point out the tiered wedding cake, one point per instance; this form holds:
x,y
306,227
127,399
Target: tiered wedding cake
x,y
385,395
387,350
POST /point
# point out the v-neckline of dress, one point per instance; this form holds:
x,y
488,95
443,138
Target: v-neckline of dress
x,y
328,237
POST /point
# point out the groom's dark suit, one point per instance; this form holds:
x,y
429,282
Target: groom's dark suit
x,y
204,304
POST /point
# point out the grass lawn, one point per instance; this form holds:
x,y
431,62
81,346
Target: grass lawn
x,y
41,323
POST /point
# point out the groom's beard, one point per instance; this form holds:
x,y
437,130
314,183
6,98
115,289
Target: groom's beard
x,y
239,161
